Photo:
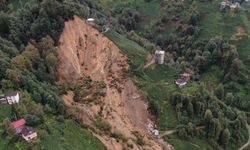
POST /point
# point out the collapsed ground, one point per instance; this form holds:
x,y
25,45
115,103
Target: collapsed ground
x,y
95,70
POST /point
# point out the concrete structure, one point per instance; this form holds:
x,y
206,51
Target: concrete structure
x,y
223,5
12,97
90,21
28,133
159,56
18,125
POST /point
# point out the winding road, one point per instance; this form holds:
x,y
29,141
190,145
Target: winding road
x,y
248,142
150,63
173,131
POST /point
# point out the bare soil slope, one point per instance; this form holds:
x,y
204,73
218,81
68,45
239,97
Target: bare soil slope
x,y
83,51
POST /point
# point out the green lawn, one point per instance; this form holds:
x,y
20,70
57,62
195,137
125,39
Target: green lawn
x,y
5,110
74,137
137,54
211,75
193,144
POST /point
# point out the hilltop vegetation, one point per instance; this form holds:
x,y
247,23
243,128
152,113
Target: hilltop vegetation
x,y
210,43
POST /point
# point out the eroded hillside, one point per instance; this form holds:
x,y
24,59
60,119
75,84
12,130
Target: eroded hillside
x,y
83,52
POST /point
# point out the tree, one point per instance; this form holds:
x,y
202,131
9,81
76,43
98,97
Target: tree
x,y
229,99
76,96
32,120
208,116
219,91
225,138
212,128
136,16
236,66
201,87
218,129
194,18
190,110
9,128
159,40
4,22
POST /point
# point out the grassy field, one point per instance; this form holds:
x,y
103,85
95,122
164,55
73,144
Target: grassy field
x,y
137,54
193,144
74,137
5,110
65,136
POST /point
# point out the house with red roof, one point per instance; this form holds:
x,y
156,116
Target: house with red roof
x,y
185,76
183,80
18,125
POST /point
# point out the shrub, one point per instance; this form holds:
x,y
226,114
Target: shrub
x,y
49,128
60,118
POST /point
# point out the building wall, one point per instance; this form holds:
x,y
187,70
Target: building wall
x,y
159,57
19,129
13,99
29,137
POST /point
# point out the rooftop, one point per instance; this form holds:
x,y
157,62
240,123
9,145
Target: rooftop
x,y
159,52
185,74
180,81
90,19
12,93
18,123
27,130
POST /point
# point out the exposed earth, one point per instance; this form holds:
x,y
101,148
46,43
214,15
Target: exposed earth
x,y
145,18
83,51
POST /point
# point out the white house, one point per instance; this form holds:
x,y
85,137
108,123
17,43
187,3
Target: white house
x,y
181,82
12,97
90,21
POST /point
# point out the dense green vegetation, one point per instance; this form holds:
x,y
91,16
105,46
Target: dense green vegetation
x,y
210,43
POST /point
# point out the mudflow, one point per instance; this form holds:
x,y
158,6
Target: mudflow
x,y
83,51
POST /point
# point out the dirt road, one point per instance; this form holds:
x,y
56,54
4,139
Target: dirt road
x,y
150,63
248,142
173,131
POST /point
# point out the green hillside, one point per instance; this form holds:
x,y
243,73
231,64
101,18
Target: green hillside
x,y
201,38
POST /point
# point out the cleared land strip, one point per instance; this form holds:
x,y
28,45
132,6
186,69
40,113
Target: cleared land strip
x,y
173,131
